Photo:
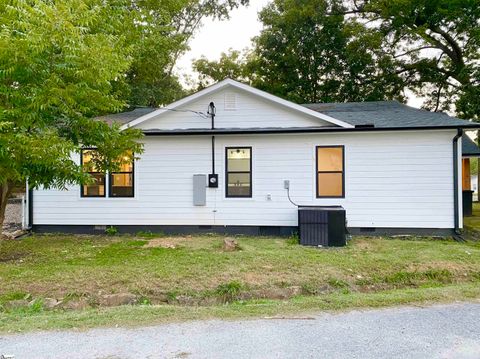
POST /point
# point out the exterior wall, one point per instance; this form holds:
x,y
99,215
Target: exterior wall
x,y
392,180
251,111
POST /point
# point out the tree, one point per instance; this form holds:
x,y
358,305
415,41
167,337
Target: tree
x,y
232,64
57,64
161,35
332,50
307,55
436,47
304,54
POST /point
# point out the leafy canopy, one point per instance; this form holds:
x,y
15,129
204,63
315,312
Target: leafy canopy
x,y
162,34
57,63
358,50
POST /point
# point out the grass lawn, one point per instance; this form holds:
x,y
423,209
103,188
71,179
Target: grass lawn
x,y
183,278
473,223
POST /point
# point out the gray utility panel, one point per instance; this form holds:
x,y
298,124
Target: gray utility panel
x,y
199,190
322,226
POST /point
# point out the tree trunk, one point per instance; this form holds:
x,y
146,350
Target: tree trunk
x,y
5,190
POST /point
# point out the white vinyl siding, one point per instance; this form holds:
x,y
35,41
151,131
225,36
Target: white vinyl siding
x,y
251,112
392,179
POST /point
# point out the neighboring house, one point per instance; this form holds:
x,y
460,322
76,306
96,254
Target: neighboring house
x,y
395,169
470,151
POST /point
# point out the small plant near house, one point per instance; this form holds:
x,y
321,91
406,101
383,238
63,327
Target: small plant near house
x,y
229,291
111,231
294,239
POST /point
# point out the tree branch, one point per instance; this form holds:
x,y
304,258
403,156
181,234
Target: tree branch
x,y
415,50
439,93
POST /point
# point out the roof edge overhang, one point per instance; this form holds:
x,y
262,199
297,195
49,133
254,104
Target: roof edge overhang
x,y
249,89
245,131
470,154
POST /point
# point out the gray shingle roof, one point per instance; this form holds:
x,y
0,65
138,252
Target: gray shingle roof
x,y
384,114
125,117
469,148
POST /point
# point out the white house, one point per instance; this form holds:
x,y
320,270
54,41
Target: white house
x,y
395,169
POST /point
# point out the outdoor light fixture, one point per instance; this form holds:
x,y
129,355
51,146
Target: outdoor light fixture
x,y
211,109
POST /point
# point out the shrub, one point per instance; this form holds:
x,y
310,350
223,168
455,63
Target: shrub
x,y
229,291
111,231
294,239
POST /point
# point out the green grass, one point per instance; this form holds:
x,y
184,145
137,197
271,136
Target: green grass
x,y
473,223
368,272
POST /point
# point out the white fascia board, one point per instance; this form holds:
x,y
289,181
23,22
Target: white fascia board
x,y
249,89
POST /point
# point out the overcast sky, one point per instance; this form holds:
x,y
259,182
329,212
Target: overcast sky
x,y
216,37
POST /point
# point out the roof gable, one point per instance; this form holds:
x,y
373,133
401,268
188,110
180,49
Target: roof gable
x,y
186,105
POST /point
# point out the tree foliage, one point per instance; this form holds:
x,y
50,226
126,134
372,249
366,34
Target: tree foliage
x,y
308,55
57,62
356,50
161,34
436,47
232,64
64,62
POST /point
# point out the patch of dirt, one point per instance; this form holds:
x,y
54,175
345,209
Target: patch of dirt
x,y
12,257
255,279
364,244
167,242
230,245
273,293
115,300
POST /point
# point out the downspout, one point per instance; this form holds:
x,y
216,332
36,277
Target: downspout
x,y
455,181
30,208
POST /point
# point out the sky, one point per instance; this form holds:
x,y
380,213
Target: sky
x,y
215,37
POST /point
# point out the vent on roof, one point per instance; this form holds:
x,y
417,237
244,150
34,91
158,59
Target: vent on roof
x,y
230,101
365,125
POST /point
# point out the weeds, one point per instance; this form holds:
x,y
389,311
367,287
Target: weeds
x,y
111,231
294,239
229,291
149,234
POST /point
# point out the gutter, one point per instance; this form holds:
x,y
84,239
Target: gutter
x,y
456,218
240,131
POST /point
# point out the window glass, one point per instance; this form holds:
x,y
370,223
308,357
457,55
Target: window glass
x,y
239,184
239,159
330,171
238,164
330,158
97,187
121,182
330,184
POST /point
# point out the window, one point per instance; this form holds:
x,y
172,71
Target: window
x,y
238,172
121,182
96,188
330,171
